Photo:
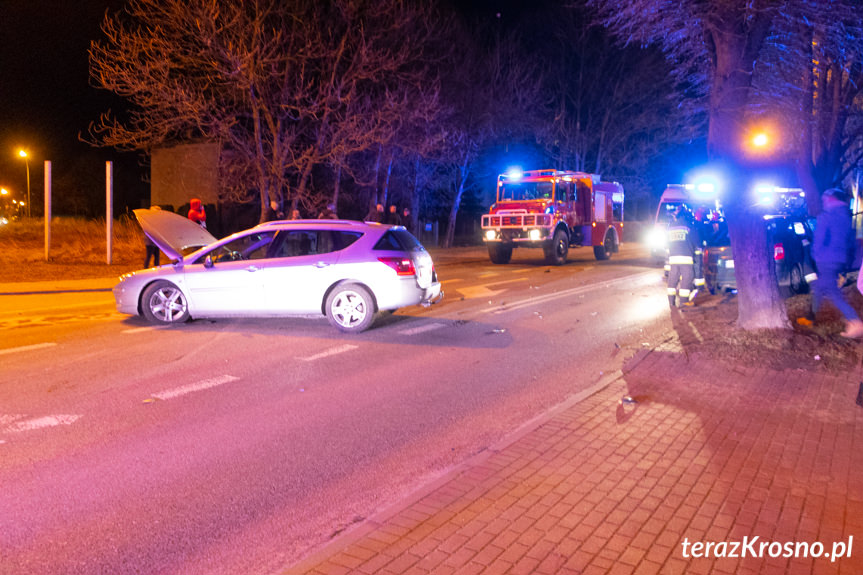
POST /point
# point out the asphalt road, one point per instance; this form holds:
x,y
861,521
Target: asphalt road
x,y
237,446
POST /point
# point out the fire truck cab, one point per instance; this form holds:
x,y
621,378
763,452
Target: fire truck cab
x,y
553,210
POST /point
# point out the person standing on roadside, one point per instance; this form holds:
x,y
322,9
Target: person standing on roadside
x,y
197,213
329,212
393,217
376,214
152,249
833,251
408,220
681,259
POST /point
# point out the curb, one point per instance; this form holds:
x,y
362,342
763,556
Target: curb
x,y
379,518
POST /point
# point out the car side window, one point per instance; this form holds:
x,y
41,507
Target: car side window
x,y
399,240
252,246
341,240
295,243
389,242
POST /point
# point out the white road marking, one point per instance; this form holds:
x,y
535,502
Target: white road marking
x,y
473,292
330,352
27,348
41,422
196,386
421,328
7,418
140,329
565,293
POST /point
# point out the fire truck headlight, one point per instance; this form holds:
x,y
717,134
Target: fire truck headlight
x,y
490,235
534,235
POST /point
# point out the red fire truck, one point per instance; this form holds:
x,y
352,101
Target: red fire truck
x,y
554,209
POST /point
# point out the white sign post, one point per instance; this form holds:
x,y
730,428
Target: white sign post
x,y
47,209
109,205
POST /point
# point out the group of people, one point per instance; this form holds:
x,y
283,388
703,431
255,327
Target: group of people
x,y
376,214
392,217
833,251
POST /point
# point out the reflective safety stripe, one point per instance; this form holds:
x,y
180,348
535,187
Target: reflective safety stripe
x,y
699,282
679,260
667,268
672,291
811,277
684,293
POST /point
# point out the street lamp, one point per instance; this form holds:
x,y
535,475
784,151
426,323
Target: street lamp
x,y
24,155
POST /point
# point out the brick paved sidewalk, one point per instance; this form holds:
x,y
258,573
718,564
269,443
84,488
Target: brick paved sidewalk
x,y
710,453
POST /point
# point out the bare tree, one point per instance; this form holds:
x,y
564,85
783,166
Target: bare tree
x,y
716,44
205,70
283,86
489,93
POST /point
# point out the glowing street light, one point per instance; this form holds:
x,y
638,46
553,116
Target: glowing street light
x,y
24,155
760,140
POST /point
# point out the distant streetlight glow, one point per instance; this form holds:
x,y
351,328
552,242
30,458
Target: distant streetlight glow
x,y
760,140
24,155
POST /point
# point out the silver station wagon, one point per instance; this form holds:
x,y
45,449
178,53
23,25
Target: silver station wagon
x,y
345,270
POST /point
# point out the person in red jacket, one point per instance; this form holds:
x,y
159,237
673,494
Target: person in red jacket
x,y
197,213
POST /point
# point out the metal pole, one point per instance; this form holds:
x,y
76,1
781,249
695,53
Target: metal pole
x,y
109,205
47,209
27,166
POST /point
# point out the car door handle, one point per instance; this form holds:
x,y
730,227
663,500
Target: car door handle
x,y
252,268
322,264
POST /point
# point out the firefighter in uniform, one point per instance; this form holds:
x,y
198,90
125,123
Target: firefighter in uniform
x,y
699,235
681,259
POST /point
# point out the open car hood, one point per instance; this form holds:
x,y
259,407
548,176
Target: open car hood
x,y
175,235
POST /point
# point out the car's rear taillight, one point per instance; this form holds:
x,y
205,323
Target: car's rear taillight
x,y
403,266
778,252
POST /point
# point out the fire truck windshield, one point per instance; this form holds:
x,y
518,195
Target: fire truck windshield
x,y
515,191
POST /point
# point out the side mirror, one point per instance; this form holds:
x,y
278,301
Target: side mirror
x,y
208,262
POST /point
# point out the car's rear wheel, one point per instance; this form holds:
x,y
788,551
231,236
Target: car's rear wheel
x,y
796,281
604,251
163,302
350,308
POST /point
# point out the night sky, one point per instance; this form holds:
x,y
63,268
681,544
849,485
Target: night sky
x,y
45,97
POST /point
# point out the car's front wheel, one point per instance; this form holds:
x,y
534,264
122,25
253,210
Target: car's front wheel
x,y
557,250
163,302
499,253
350,308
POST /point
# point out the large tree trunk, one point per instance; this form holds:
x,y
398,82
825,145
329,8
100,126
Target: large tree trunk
x,y
760,305
453,212
385,197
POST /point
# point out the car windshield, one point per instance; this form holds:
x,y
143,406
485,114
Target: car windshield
x,y
666,210
527,191
715,233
